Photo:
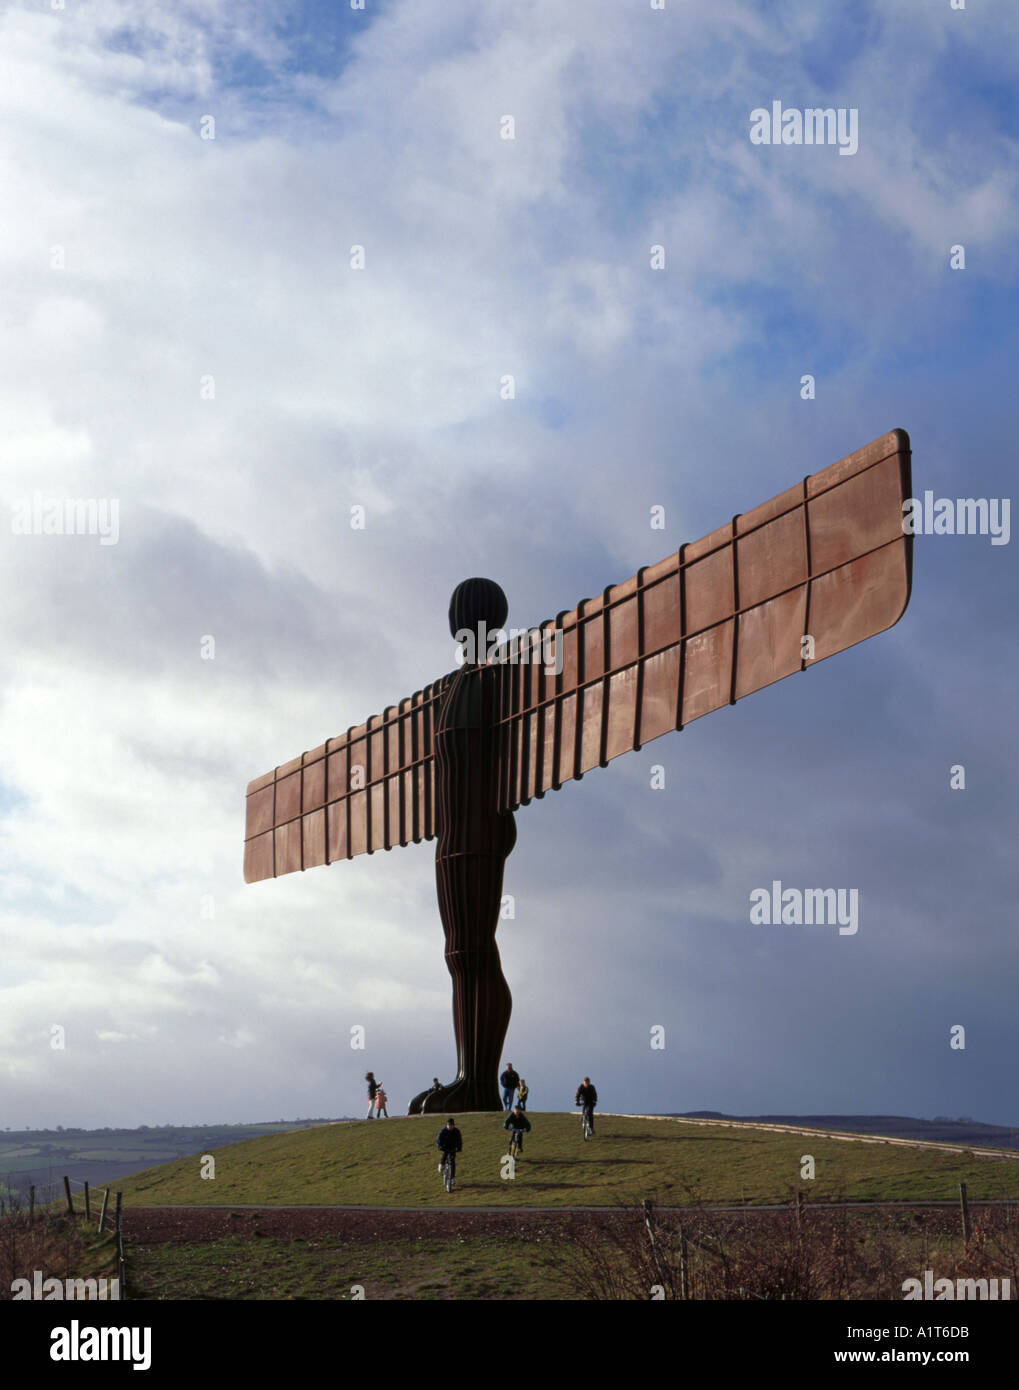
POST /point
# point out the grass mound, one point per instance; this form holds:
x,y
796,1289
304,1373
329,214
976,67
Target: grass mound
x,y
675,1162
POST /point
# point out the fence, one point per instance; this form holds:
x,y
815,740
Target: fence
x,y
87,1210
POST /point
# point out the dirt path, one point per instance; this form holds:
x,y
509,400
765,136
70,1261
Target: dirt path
x,y
158,1225
155,1225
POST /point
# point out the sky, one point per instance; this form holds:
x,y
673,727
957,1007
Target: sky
x,y
184,333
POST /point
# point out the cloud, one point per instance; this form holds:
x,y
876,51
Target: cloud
x,y
183,259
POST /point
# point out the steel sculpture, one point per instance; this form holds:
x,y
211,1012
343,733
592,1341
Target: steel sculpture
x,y
815,570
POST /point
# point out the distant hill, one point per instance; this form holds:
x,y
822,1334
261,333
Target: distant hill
x,y
940,1130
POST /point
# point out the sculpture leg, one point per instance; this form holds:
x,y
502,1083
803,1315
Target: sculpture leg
x,y
470,897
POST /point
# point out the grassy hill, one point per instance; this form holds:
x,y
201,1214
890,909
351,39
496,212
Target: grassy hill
x,y
393,1163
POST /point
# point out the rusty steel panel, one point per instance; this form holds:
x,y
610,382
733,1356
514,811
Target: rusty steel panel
x,y
589,727
313,828
622,711
288,847
772,558
659,694
707,672
855,600
725,616
260,811
313,794
770,641
336,830
259,862
663,614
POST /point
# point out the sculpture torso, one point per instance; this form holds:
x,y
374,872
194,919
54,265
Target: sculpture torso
x,y
466,769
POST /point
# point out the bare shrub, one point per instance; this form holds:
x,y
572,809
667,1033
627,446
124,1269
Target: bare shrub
x,y
802,1253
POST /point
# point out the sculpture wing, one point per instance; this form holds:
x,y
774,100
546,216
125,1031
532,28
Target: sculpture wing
x,y
371,788
724,616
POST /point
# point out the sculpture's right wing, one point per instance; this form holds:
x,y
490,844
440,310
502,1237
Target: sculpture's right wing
x,y
724,616
371,788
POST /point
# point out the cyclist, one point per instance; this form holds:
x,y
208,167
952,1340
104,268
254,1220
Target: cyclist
x,y
449,1142
587,1097
519,1124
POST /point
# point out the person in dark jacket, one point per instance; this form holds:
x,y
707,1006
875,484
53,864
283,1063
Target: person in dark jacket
x,y
587,1097
509,1081
449,1142
373,1087
519,1124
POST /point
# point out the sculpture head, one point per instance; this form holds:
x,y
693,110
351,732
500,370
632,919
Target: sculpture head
x,y
478,606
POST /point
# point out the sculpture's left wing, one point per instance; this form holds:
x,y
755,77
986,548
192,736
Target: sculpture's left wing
x,y
816,569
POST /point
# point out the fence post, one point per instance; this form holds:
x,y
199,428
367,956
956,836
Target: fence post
x,y
121,1268
649,1222
88,1207
67,1194
102,1214
964,1203
31,1204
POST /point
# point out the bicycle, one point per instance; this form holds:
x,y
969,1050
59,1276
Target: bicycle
x,y
515,1142
586,1118
446,1169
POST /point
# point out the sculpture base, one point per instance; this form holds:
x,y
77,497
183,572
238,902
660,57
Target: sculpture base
x,y
457,1098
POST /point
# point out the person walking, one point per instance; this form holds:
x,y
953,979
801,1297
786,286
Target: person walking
x,y
380,1103
373,1087
587,1097
522,1094
509,1081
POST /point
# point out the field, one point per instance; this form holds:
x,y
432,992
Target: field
x,y
673,1162
356,1210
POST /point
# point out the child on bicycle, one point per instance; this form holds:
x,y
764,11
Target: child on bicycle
x,y
518,1122
449,1142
